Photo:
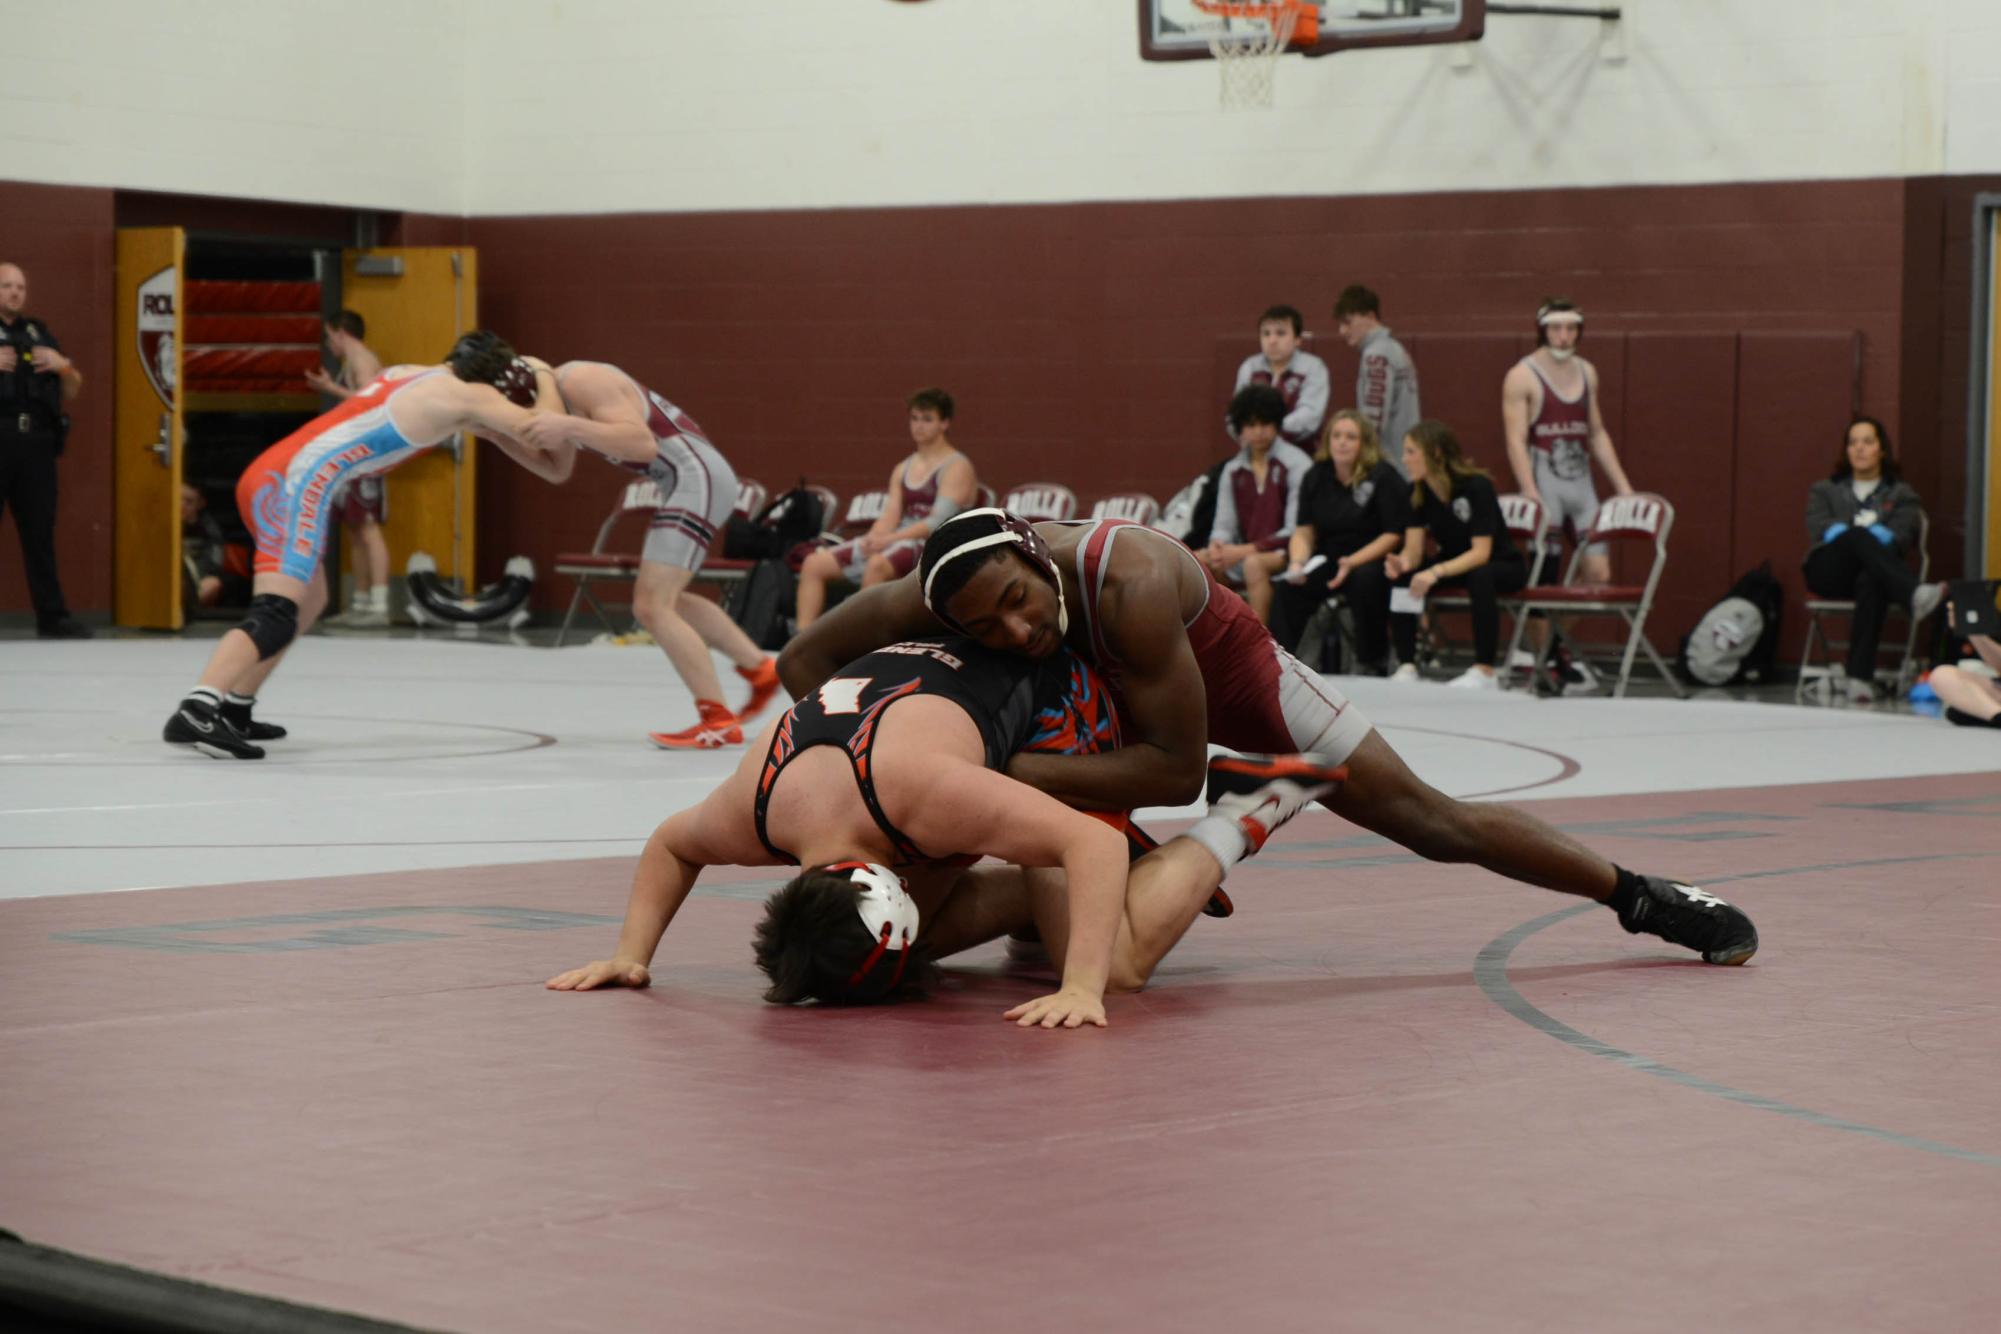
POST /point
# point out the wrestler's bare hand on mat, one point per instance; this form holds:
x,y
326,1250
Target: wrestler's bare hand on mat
x,y
1066,1009
603,973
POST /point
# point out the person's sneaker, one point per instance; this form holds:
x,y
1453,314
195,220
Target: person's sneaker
x,y
1262,792
200,724
1407,672
1858,691
764,683
238,716
69,627
1474,679
366,618
713,733
1579,678
1685,915
1925,601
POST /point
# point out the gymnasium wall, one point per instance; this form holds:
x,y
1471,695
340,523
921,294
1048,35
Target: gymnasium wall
x,y
506,107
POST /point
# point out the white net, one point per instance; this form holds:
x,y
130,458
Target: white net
x,y
1247,50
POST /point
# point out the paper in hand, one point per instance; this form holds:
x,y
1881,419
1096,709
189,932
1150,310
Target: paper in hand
x,y
1403,602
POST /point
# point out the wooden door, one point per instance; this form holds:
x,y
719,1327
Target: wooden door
x,y
417,300
147,432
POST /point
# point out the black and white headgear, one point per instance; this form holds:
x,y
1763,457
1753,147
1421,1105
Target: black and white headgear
x,y
1014,531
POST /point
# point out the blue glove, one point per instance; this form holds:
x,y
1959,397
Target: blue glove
x,y
1882,533
1834,530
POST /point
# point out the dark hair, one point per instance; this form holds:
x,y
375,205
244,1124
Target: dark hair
x,y
1356,299
935,400
1843,469
1555,305
1256,403
1283,313
812,940
1443,461
350,323
949,537
484,357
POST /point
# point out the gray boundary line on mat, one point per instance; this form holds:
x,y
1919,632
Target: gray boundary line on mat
x,y
1490,970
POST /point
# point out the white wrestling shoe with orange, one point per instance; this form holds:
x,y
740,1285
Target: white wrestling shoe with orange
x,y
717,729
1261,792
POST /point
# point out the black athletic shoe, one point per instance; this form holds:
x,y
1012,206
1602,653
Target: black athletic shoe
x,y
1262,792
238,716
1685,915
201,725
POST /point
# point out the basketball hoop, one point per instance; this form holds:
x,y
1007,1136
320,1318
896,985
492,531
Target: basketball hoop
x,y
1249,55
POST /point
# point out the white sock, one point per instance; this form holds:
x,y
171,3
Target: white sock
x,y
1223,837
245,700
378,598
206,694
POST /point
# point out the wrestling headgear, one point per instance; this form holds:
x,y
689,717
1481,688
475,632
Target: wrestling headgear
x,y
1556,310
484,357
888,912
1013,530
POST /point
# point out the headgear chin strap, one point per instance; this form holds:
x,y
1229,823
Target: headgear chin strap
x,y
1015,531
887,910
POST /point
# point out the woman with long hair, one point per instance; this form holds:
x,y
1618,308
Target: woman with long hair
x,y
1353,508
1452,501
1861,525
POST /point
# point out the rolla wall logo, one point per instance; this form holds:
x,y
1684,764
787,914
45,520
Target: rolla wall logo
x,y
156,333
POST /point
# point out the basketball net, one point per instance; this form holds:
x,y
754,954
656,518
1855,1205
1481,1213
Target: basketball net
x,y
1249,56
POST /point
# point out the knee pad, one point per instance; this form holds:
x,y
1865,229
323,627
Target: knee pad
x,y
273,623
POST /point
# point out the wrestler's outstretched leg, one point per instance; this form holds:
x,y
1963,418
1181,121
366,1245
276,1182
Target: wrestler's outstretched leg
x,y
1383,796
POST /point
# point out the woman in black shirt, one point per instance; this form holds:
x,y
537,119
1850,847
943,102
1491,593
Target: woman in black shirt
x,y
1353,508
1453,501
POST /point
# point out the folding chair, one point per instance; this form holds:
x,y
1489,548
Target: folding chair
x,y
1041,502
1816,634
988,498
1528,527
600,562
830,504
1133,505
863,510
1641,517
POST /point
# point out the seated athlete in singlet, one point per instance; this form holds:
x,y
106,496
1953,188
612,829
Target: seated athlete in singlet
x,y
286,500
895,761
1189,664
611,414
930,486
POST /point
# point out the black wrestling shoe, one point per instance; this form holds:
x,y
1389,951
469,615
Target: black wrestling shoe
x,y
238,716
200,724
1685,915
1262,792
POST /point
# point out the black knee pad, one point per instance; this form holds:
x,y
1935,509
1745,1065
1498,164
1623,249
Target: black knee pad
x,y
273,623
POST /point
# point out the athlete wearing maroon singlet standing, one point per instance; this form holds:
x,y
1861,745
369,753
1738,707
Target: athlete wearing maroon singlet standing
x,y
1192,665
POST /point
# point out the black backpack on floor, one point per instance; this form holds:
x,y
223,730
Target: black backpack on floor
x,y
1737,641
762,602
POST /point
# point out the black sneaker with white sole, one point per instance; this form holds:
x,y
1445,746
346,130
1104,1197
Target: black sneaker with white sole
x,y
200,724
247,727
1683,914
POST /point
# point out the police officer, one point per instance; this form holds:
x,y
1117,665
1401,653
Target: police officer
x,y
36,380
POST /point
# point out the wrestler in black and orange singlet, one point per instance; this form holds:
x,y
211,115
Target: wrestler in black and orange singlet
x,y
1049,704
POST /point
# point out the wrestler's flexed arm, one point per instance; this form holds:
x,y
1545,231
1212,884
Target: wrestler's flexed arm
x,y
1164,718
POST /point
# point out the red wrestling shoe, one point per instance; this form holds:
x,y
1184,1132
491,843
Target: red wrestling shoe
x,y
764,684
717,729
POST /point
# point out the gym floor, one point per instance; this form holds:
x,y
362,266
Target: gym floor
x,y
279,1027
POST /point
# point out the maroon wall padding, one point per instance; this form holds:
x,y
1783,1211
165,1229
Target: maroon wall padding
x,y
288,364
300,330
61,236
212,297
1679,404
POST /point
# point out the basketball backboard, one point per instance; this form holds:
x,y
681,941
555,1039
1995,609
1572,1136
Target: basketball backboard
x,y
1180,30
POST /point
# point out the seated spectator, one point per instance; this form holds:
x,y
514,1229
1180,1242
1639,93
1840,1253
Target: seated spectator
x,y
927,488
1300,376
1353,510
1971,699
216,571
1257,498
1453,502
1861,525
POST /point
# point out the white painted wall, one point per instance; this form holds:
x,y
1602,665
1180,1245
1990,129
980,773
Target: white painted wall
x,y
353,102
584,106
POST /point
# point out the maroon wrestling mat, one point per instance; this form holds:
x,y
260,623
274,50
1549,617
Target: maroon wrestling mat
x,y
1386,1095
